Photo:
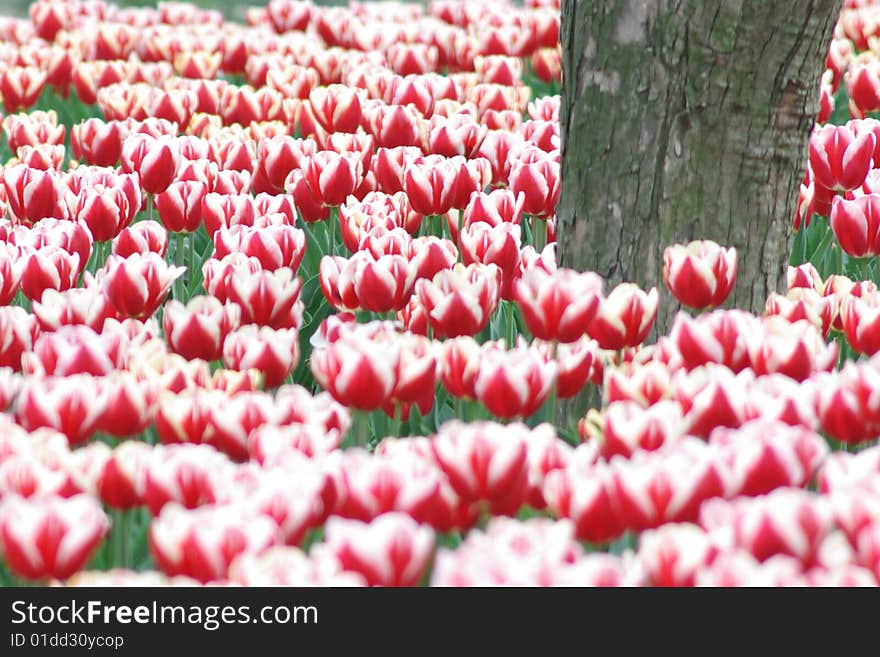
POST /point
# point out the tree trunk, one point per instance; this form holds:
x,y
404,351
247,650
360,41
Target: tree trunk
x,y
686,119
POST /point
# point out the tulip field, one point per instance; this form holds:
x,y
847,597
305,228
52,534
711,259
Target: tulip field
x,y
280,305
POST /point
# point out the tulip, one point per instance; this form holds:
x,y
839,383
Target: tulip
x,y
106,211
50,537
459,301
416,376
498,476
674,554
77,350
459,134
863,86
498,245
180,205
389,166
230,420
21,86
97,143
48,268
32,129
646,384
270,443
137,285
806,304
497,207
624,317
794,349
625,427
33,194
718,337
143,237
331,177
788,521
18,332
217,274
429,184
10,273
539,182
289,566
358,371
398,481
547,64
839,159
226,210
155,160
272,352
297,405
363,282
459,362
72,405
293,81
700,274
198,329
560,305
266,298
578,363
583,492
202,543
514,383
764,455
429,255
131,405
856,224
393,126
186,476
392,550
499,148
278,156
291,496
668,485
380,241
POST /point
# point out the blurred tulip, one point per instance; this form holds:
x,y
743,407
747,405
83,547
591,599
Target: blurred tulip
x,y
50,537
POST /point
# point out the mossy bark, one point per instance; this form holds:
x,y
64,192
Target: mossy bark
x,y
686,120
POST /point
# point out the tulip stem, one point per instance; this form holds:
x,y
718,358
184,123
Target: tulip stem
x,y
802,233
511,322
177,286
361,428
120,538
540,236
396,421
191,265
331,232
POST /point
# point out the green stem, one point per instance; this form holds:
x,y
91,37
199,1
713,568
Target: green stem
x,y
360,428
396,420
511,322
553,398
191,265
803,235
331,231
120,530
539,233
179,260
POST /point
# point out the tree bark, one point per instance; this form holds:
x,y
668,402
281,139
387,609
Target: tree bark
x,y
686,119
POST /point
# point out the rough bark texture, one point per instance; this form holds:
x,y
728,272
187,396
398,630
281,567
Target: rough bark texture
x,y
683,120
